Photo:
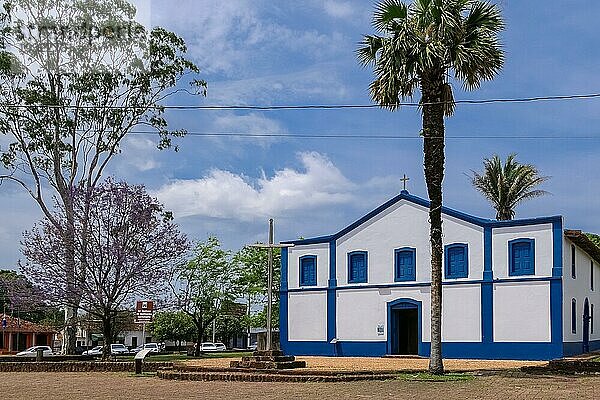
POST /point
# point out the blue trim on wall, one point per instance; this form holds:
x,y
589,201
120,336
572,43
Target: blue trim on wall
x,y
488,274
331,295
403,304
487,312
283,300
425,203
487,289
575,348
472,350
557,253
426,284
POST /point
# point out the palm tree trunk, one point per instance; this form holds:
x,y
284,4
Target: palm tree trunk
x,y
433,149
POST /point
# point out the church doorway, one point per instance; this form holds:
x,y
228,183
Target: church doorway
x,y
586,326
404,332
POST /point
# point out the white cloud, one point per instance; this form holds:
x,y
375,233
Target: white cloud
x,y
237,37
338,9
139,151
224,194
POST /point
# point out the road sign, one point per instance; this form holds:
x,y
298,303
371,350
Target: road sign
x,y
143,311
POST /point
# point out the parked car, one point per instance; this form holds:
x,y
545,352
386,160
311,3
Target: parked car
x,y
117,349
220,346
208,347
95,351
153,347
32,351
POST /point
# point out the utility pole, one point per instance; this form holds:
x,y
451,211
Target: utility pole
x,y
270,246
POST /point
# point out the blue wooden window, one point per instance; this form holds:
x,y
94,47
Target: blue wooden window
x,y
574,316
573,271
308,271
405,264
456,260
521,253
357,267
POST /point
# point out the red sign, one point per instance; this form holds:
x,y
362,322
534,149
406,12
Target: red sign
x,y
143,311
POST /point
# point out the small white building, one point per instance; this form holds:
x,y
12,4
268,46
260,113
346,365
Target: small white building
x,y
521,289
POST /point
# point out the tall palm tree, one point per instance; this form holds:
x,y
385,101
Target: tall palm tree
x,y
418,46
505,186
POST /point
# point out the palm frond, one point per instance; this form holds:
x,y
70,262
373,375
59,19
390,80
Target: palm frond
x,y
387,12
369,47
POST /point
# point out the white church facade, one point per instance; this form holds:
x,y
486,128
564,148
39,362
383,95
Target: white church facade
x,y
521,289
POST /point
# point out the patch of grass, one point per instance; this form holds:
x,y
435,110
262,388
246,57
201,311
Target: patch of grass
x,y
183,357
142,375
597,359
427,377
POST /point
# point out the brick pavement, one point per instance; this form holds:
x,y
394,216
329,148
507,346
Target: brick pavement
x,y
50,386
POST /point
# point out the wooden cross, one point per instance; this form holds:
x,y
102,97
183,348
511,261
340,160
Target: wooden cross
x,y
404,180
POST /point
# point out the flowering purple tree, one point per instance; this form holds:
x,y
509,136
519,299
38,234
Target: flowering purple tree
x,y
125,246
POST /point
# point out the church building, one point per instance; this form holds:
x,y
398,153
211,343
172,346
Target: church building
x,y
522,289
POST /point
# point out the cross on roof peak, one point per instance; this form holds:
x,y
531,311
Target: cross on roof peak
x,y
404,180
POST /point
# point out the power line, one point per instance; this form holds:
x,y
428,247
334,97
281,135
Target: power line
x,y
319,106
244,135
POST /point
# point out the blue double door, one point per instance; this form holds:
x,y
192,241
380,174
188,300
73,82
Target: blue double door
x,y
404,330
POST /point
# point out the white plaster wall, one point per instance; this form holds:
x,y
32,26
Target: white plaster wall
x,y
320,250
361,311
579,289
542,234
405,225
307,316
461,313
522,312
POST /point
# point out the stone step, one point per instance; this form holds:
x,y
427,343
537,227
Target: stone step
x,y
270,358
268,353
266,377
268,364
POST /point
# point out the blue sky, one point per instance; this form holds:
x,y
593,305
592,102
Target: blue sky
x,y
287,52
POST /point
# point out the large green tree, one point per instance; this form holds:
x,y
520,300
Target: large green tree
x,y
173,326
80,76
507,185
204,285
421,46
252,265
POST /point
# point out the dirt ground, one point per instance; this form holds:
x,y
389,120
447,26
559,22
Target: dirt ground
x,y
69,386
381,364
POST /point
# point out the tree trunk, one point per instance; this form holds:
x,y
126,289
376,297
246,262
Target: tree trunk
x,y
433,149
107,332
199,338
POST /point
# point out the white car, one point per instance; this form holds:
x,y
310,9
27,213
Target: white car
x,y
208,347
117,349
32,351
220,346
96,351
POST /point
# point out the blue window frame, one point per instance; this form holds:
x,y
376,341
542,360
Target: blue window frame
x,y
405,265
357,267
456,260
574,316
521,256
308,271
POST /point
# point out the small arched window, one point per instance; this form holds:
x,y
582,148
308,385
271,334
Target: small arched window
x,y
357,267
521,253
574,316
405,264
573,270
